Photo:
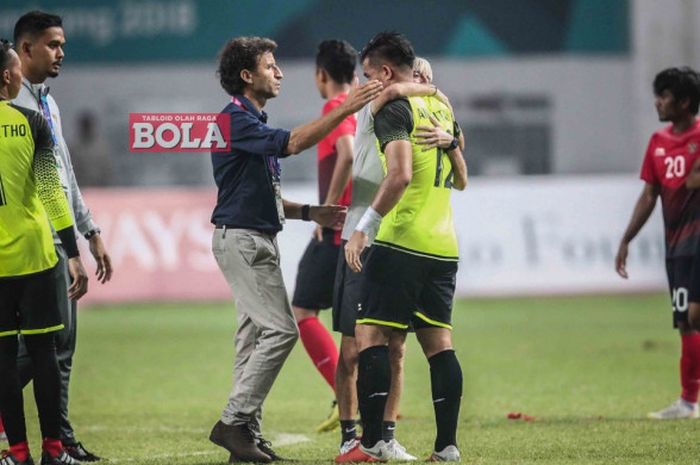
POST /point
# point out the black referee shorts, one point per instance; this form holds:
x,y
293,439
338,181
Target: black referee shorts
x,y
28,304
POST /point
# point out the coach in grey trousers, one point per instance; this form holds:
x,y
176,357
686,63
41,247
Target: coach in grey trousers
x,y
248,215
39,42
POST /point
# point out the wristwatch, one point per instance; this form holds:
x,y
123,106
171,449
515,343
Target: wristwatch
x,y
88,235
305,212
453,145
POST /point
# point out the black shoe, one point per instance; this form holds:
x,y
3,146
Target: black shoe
x,y
240,441
266,447
60,459
79,452
6,458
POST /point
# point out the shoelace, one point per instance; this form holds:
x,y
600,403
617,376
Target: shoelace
x,y
265,446
249,432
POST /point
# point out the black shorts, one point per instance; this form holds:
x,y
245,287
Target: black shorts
x,y
347,295
403,290
316,275
684,285
28,304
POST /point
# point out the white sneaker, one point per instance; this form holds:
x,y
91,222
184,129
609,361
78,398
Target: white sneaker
x,y
395,451
391,450
678,409
348,445
448,454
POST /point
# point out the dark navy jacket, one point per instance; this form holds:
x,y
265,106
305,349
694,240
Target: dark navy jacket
x,y
246,173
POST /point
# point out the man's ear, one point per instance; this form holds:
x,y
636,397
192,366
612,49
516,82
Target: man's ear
x,y
247,76
388,72
25,48
685,103
323,75
6,77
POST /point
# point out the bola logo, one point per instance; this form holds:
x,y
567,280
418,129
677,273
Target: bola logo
x,y
179,132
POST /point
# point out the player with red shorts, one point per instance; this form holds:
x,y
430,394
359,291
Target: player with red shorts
x,y
671,170
335,70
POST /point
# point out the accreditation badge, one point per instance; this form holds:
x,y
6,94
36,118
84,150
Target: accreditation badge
x,y
276,186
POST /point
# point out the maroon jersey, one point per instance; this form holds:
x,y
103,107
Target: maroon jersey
x,y
328,155
667,162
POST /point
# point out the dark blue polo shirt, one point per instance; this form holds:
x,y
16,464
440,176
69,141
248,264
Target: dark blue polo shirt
x,y
246,174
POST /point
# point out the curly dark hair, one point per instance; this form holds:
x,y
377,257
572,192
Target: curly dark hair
x,y
683,83
338,59
391,47
239,54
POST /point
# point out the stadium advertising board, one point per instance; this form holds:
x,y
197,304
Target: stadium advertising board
x,y
533,235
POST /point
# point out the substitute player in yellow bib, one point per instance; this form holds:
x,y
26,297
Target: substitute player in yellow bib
x,y
409,273
421,222
30,197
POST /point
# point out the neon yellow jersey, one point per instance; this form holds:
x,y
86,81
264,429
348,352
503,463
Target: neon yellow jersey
x,y
30,193
421,222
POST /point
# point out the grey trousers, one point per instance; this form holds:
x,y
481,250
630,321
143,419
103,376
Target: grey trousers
x,y
65,344
266,330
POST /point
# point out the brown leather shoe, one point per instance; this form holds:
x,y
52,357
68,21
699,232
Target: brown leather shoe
x,y
239,440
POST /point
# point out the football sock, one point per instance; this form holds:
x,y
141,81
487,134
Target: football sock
x,y
320,346
446,384
373,384
47,382
388,428
52,446
690,366
11,400
348,430
20,451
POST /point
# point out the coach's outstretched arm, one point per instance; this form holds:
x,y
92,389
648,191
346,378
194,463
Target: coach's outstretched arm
x,y
642,210
303,137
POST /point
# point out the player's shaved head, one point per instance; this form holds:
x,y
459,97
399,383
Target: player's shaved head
x,y
389,48
239,54
683,83
32,24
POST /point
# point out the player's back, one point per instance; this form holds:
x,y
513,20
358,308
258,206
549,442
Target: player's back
x,y
26,244
421,222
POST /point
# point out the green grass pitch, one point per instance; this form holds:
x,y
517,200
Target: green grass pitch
x,y
150,380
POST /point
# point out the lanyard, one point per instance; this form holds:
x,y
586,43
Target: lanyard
x,y
44,107
273,163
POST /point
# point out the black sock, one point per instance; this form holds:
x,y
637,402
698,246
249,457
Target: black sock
x,y
11,401
446,384
47,382
373,384
348,430
388,428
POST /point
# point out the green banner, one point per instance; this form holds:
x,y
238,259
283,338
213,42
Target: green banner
x,y
194,30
